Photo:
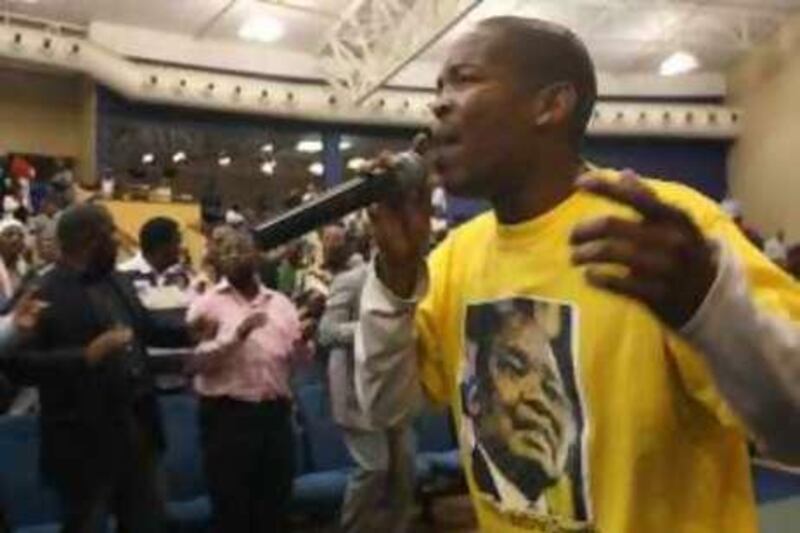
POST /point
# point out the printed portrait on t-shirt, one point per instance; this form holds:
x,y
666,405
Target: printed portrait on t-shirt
x,y
523,416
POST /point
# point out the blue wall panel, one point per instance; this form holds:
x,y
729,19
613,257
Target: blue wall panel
x,y
698,163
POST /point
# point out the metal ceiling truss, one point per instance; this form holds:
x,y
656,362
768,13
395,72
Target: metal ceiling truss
x,y
374,39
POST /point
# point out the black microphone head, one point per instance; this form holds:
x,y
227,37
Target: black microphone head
x,y
408,169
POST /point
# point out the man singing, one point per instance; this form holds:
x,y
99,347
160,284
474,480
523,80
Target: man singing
x,y
574,329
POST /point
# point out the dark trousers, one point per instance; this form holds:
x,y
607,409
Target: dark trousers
x,y
130,489
248,454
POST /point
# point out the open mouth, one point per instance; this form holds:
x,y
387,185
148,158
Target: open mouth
x,y
445,144
444,136
445,148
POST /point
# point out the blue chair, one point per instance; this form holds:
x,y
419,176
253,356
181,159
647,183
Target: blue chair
x,y
320,488
29,507
439,458
188,506
774,484
436,443
326,445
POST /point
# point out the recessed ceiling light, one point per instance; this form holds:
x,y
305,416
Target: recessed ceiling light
x,y
268,167
148,159
313,146
309,146
179,157
356,164
224,161
262,29
679,63
317,168
268,148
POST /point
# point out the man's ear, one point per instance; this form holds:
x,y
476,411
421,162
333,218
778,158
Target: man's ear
x,y
555,104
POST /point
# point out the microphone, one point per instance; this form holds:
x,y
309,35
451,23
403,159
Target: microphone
x,y
407,171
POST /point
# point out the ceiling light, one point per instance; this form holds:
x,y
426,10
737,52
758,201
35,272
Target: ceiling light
x,y
309,146
313,146
179,157
262,29
148,159
268,148
224,160
268,167
679,63
356,164
316,168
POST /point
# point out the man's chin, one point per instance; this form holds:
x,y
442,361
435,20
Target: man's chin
x,y
463,185
529,477
525,473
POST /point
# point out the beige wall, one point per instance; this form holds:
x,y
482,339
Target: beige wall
x,y
764,170
47,114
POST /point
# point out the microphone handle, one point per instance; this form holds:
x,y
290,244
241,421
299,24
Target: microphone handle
x,y
330,206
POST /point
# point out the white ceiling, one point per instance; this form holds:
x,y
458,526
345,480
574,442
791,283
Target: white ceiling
x,y
636,35
624,36
215,19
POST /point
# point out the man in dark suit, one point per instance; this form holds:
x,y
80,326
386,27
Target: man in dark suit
x,y
101,427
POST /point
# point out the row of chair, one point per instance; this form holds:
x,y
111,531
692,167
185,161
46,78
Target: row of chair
x,y
323,465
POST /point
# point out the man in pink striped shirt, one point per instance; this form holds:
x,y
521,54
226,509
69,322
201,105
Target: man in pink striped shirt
x,y
242,376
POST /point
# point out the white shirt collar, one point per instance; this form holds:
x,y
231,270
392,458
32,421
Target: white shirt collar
x,y
511,498
137,264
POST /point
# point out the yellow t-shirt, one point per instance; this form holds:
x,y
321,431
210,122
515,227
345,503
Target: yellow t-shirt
x,y
577,410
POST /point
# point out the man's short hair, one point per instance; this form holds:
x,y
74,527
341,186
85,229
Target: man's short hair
x,y
544,53
157,233
79,224
234,238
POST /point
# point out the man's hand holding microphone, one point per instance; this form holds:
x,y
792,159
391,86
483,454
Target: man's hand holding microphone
x,y
402,228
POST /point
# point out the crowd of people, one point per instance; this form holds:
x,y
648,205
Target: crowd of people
x,y
586,397
92,334
234,329
784,254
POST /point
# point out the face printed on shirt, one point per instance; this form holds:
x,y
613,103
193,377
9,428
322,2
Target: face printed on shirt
x,y
520,408
529,408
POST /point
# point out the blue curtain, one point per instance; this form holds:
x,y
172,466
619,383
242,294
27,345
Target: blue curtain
x,y
701,164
